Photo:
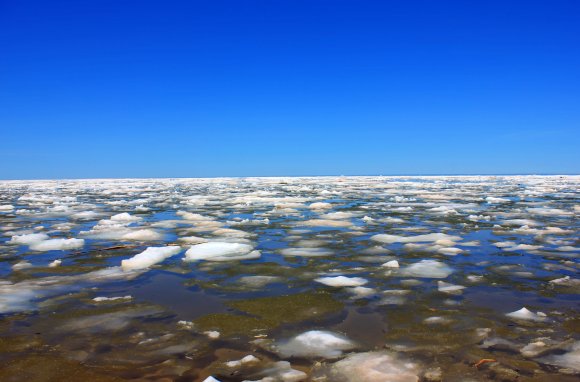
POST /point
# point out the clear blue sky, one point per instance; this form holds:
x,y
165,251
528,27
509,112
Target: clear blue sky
x,y
288,87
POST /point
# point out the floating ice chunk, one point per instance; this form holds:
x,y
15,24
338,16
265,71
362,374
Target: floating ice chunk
x,y
504,244
570,359
567,248
282,371
249,359
444,210
28,238
393,297
491,199
445,242
314,344
392,220
21,265
427,269
192,240
186,324
477,218
306,252
533,349
320,206
525,314
450,251
520,222
149,257
524,247
228,239
374,367
549,212
411,282
566,281
444,287
473,243
391,264
85,215
376,250
229,232
124,218
339,215
142,235
57,245
221,251
430,237
6,207
361,292
107,230
311,243
55,263
102,299
214,335
192,216
436,320
475,278
342,281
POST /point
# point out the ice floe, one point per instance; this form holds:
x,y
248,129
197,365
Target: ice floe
x,y
221,251
28,239
315,344
306,252
527,315
431,237
281,371
374,367
342,281
142,235
444,287
570,359
149,257
427,269
249,359
106,299
391,264
57,244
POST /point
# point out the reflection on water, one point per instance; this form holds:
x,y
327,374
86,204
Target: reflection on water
x,y
290,279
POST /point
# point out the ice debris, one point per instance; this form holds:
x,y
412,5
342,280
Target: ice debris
x,y
527,315
374,367
314,344
149,257
427,269
342,281
221,251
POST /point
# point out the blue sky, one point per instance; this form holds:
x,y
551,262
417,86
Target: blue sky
x,y
294,87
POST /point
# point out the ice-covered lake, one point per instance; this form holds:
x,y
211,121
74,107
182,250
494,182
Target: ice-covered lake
x,y
366,279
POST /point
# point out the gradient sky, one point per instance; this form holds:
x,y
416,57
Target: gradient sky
x,y
288,87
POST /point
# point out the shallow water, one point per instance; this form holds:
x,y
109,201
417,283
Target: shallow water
x,y
298,270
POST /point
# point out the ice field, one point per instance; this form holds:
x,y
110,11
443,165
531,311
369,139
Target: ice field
x,y
365,279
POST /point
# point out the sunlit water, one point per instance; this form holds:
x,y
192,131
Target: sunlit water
x,y
290,279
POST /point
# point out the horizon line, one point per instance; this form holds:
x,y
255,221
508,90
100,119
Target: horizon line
x,y
292,176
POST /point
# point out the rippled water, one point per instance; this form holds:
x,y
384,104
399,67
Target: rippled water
x,y
290,279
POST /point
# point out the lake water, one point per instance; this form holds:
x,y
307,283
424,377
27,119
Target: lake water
x,y
290,279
